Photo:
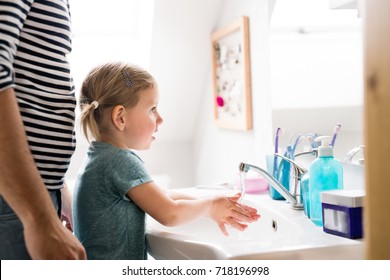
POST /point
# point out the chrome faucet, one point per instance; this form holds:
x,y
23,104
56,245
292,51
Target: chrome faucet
x,y
293,198
313,152
349,156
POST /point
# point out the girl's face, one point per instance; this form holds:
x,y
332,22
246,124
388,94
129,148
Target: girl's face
x,y
142,121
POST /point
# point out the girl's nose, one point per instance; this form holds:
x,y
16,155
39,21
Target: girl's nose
x,y
159,119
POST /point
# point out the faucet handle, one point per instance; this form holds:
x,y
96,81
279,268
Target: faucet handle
x,y
313,152
302,170
348,157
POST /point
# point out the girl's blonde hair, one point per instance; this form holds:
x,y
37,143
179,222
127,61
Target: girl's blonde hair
x,y
109,85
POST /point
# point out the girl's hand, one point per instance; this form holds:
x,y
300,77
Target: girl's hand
x,y
226,210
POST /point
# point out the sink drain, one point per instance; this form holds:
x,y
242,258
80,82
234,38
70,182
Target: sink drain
x,y
274,225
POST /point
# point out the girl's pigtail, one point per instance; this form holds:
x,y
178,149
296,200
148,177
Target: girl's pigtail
x,y
88,120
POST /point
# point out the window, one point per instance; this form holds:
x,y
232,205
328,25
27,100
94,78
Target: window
x,y
113,30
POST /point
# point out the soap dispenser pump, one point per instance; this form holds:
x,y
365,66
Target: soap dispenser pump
x,y
326,173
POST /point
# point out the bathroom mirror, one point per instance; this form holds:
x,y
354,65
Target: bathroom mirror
x,y
316,70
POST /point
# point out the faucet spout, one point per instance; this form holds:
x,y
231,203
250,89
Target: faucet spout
x,y
295,203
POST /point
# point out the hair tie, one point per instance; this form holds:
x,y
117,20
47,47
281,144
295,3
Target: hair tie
x,y
95,104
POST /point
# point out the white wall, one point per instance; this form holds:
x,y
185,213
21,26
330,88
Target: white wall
x,y
180,62
316,59
219,151
170,163
316,69
190,148
316,82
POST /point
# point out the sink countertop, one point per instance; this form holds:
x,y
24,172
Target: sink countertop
x,y
280,233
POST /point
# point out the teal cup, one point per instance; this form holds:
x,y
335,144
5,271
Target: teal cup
x,y
280,170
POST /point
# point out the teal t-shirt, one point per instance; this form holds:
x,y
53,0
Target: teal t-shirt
x,y
108,224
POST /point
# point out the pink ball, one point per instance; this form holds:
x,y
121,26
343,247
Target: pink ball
x,y
220,101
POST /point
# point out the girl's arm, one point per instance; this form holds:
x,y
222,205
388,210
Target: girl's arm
x,y
170,212
177,195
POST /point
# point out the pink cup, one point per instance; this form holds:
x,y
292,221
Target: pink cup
x,y
255,185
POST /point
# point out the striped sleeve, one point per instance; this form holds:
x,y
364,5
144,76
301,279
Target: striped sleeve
x,y
34,44
12,17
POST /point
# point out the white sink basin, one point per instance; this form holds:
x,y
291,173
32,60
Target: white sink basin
x,y
280,233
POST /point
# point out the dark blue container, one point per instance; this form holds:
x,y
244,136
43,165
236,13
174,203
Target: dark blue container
x,y
342,213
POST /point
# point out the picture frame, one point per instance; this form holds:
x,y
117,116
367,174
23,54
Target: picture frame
x,y
231,76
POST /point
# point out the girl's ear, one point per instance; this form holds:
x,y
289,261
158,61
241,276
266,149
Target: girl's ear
x,y
118,117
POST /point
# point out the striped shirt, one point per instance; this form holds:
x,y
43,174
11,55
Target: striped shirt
x,y
34,42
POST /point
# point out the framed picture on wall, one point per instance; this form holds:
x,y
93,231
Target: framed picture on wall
x,y
231,76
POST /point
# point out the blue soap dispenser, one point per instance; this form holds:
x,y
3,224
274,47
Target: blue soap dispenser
x,y
326,174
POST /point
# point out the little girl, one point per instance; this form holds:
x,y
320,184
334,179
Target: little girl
x,y
113,190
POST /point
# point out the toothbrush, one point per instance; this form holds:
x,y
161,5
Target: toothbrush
x,y
336,131
310,137
297,141
279,132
